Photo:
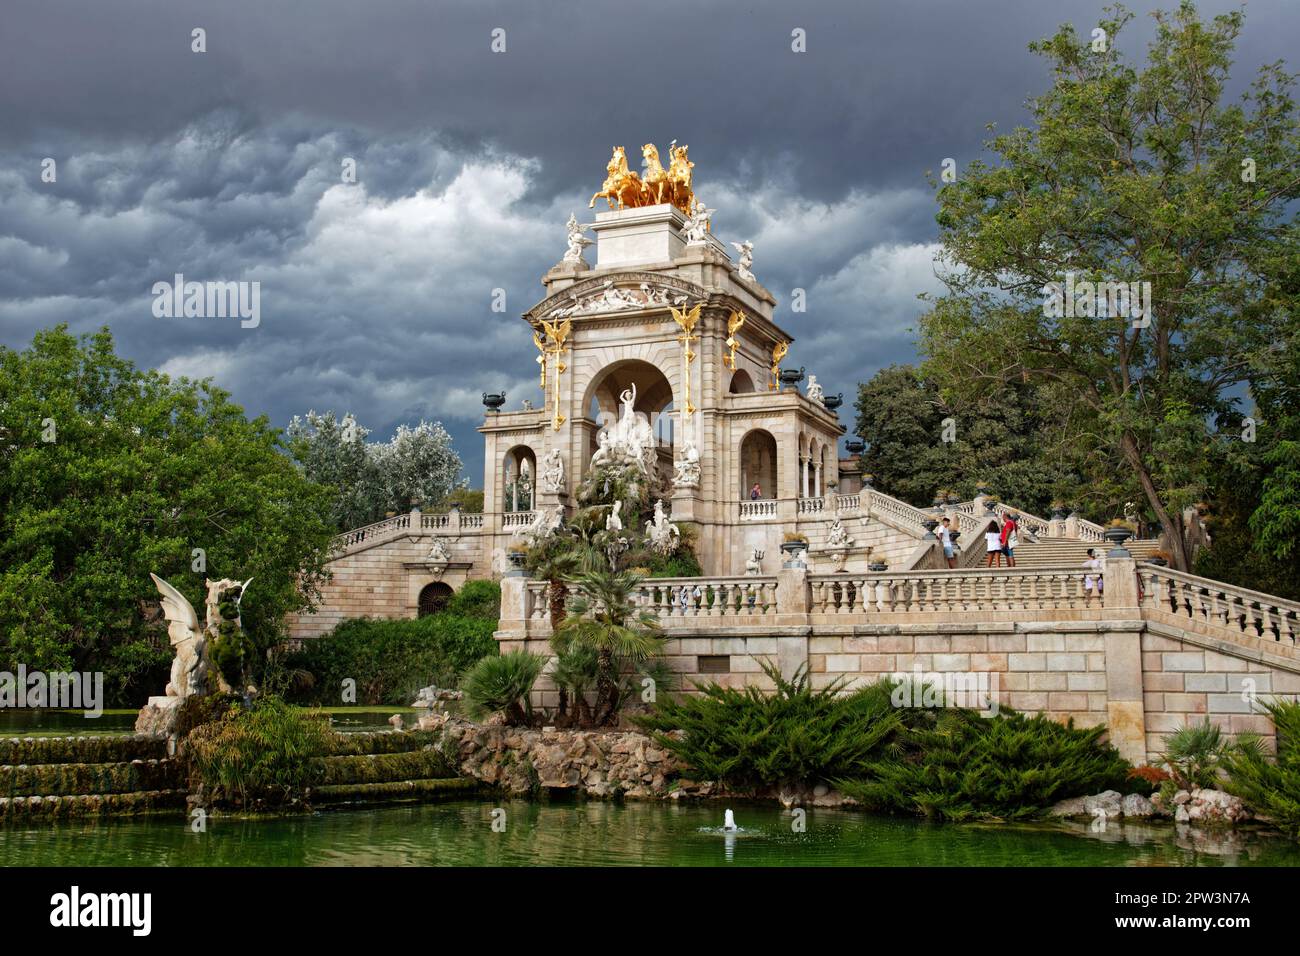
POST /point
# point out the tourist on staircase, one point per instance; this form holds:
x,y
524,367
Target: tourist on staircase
x,y
1010,538
993,543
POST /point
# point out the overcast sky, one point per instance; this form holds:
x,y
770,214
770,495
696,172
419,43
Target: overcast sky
x,y
226,165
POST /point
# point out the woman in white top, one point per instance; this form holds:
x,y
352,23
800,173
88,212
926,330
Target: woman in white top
x,y
1092,578
993,544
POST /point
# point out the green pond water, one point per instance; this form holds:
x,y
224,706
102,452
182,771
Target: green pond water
x,y
558,833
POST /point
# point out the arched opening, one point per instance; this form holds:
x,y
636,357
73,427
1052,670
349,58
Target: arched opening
x,y
434,597
519,479
654,401
741,383
758,465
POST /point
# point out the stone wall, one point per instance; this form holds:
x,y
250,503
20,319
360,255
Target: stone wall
x,y
1126,662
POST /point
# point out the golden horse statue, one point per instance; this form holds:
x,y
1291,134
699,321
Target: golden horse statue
x,y
624,189
679,176
656,177
621,184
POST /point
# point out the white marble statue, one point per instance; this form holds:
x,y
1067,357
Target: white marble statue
x,y
815,389
754,566
630,439
663,534
838,543
686,472
439,553
577,241
614,523
544,524
527,404
696,230
190,668
746,250
553,472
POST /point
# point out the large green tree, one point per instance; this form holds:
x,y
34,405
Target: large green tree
x,y
109,472
1128,173
919,441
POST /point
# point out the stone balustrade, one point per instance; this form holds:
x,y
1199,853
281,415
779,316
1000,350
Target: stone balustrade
x,y
371,531
517,519
945,591
759,509
733,597
1211,605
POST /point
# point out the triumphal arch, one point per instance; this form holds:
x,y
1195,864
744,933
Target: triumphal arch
x,y
665,317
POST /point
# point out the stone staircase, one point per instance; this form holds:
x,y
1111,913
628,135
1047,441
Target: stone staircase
x,y
1071,553
51,778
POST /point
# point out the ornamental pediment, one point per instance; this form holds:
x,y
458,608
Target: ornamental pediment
x,y
624,292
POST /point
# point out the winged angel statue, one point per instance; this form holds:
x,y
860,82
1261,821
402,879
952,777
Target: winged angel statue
x,y
191,667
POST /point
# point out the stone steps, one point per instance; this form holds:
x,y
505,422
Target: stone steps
x,y
73,779
66,807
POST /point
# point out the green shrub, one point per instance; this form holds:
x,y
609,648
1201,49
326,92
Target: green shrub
x,y
501,685
392,659
750,738
955,764
1269,787
1193,754
480,600
266,754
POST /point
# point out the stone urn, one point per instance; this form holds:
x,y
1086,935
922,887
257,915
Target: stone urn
x,y
855,446
794,551
791,377
1117,536
877,566
833,402
517,559
867,479
929,524
493,401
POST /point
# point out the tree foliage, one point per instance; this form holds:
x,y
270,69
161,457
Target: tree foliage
x,y
108,473
370,479
1129,174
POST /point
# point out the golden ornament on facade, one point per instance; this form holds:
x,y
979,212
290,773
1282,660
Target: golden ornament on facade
x,y
781,350
734,322
624,189
686,321
556,334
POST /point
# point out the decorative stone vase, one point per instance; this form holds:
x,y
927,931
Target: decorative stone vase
x,y
833,402
929,524
1058,511
517,558
794,548
1117,537
952,499
877,566
790,377
867,479
856,446
494,400
1158,562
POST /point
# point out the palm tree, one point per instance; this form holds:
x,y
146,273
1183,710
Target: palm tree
x,y
604,617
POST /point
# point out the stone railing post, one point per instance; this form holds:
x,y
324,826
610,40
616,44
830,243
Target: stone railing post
x,y
1072,525
792,604
513,625
453,518
1125,710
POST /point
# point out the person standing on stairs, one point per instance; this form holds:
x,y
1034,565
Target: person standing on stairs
x,y
1010,538
993,544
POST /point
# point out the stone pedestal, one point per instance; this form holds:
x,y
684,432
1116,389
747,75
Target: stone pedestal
x,y
627,237
158,717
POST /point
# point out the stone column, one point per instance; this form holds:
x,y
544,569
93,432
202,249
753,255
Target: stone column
x,y
817,480
1125,710
514,609
803,476
792,616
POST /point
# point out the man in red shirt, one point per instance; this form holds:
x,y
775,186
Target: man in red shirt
x,y
1010,539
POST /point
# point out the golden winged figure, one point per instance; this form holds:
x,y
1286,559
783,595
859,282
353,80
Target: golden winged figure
x,y
781,350
686,319
734,322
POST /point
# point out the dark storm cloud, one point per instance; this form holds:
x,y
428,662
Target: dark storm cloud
x,y
225,165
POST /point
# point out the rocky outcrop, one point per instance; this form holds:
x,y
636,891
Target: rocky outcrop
x,y
596,763
1204,806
